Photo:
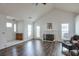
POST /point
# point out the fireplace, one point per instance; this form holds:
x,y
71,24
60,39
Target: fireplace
x,y
49,37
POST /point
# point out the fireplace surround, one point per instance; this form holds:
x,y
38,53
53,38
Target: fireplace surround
x,y
48,37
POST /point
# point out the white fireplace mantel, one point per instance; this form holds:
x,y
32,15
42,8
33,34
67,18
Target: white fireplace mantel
x,y
50,31
53,31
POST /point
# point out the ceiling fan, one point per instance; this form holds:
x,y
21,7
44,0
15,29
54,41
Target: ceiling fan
x,y
39,3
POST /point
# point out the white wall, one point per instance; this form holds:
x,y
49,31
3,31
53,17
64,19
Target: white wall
x,y
56,17
20,26
6,34
77,25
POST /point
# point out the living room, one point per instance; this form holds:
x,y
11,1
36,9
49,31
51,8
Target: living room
x,y
49,23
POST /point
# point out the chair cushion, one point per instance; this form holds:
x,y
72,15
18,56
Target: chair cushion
x,y
74,52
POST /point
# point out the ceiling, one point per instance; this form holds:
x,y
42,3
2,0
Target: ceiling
x,y
25,11
70,7
29,11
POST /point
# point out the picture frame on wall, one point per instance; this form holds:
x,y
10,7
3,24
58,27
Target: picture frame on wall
x,y
49,25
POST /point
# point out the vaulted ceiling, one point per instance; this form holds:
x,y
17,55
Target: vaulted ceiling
x,y
70,7
25,11
31,11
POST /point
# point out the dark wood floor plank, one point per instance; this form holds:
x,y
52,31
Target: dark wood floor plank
x,y
32,48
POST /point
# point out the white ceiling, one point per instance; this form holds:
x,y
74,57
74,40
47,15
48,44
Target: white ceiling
x,y
25,11
70,7
30,11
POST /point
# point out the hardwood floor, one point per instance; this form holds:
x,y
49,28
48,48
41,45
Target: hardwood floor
x,y
33,48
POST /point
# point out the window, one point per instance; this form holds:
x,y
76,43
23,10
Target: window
x,y
14,27
37,31
65,30
8,25
29,30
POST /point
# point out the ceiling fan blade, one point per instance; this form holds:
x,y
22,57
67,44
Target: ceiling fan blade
x,y
41,3
36,4
44,3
